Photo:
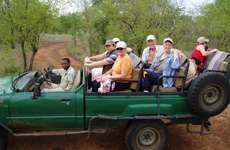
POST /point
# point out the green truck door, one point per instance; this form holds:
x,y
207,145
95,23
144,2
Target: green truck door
x,y
52,110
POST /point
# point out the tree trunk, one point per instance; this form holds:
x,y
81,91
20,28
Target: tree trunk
x,y
74,40
91,46
35,50
139,48
12,44
24,55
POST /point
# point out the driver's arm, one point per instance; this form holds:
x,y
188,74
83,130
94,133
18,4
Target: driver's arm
x,y
57,71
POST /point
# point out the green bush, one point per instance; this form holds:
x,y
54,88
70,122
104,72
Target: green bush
x,y
10,62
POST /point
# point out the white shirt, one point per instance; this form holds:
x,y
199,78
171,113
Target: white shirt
x,y
159,49
67,77
145,54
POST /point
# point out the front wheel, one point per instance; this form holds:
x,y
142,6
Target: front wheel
x,y
147,135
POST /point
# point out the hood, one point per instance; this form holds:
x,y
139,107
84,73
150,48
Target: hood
x,y
6,84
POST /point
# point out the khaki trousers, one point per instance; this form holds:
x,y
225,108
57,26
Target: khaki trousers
x,y
49,88
192,71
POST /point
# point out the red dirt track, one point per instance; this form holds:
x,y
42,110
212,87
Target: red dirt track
x,y
179,138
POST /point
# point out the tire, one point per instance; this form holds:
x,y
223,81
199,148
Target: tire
x,y
3,140
209,95
147,135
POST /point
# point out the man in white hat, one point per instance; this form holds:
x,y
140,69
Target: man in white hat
x,y
153,50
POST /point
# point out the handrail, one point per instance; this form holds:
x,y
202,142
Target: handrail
x,y
171,76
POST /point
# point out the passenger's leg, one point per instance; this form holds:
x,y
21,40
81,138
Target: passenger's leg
x,y
95,86
151,78
191,72
121,86
89,80
53,90
96,72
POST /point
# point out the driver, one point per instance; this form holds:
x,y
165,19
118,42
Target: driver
x,y
67,74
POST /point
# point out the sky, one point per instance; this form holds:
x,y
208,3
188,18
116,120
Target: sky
x,y
192,4
187,4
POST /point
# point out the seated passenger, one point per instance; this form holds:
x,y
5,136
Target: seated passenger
x,y
108,58
67,74
197,58
153,50
122,69
165,63
199,53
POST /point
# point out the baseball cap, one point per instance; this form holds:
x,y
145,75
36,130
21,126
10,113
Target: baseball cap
x,y
121,44
202,40
109,42
168,40
150,37
116,40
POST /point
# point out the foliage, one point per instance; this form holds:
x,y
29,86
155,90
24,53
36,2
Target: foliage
x,y
9,61
214,23
23,22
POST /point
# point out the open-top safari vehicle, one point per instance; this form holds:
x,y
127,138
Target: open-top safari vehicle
x,y
26,111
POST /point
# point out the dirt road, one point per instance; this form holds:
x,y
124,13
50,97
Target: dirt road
x,y
179,138
52,55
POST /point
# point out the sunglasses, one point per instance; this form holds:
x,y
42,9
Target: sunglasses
x,y
120,49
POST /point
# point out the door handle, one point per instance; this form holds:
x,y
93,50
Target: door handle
x,y
65,100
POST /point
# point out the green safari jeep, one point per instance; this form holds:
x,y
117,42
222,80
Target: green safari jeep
x,y
26,111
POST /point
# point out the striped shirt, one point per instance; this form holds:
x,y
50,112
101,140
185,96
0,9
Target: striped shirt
x,y
110,58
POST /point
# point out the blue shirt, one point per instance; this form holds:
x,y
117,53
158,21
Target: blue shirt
x,y
169,68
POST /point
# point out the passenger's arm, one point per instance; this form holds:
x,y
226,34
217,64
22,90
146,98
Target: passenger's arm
x,y
180,54
144,56
129,50
205,53
100,63
100,56
121,76
175,63
103,75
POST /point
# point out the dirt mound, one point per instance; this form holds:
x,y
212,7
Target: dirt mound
x,y
179,138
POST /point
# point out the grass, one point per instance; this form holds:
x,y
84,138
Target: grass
x,y
47,39
82,50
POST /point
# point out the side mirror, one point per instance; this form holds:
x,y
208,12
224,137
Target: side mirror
x,y
49,68
37,91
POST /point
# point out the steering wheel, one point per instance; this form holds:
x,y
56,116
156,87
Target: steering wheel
x,y
46,76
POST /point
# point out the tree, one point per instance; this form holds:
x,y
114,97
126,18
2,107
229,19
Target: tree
x,y
214,23
72,24
132,21
28,19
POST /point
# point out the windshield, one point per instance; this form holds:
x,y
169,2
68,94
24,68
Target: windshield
x,y
24,81
14,83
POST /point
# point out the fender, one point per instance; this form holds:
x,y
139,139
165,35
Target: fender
x,y
143,109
